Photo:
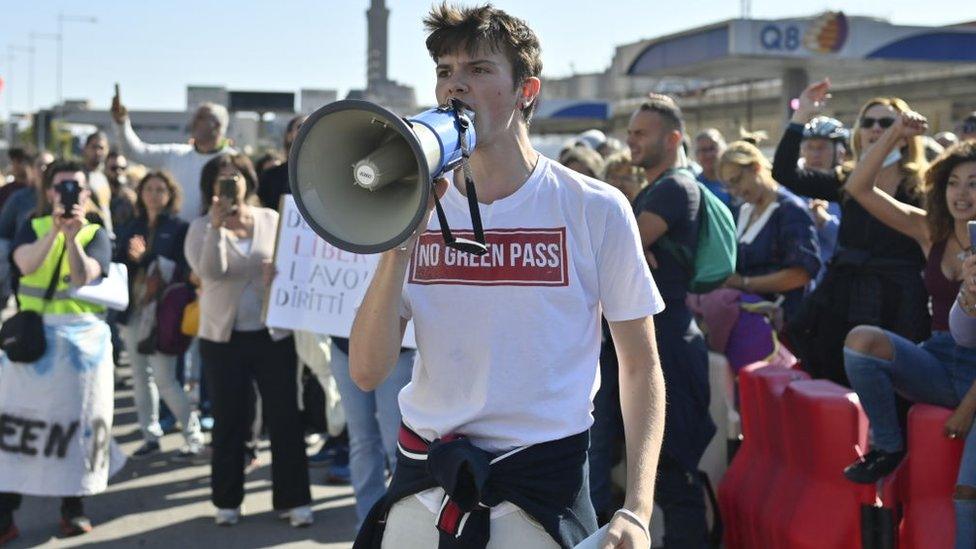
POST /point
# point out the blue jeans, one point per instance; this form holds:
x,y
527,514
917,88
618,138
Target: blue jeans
x,y
936,371
373,420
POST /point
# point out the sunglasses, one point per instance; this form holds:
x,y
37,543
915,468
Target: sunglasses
x,y
885,123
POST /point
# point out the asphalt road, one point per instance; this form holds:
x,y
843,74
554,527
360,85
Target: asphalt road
x,y
159,502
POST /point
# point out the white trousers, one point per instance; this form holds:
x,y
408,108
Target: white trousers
x,y
410,525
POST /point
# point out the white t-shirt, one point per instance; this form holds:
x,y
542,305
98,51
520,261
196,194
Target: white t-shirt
x,y
509,342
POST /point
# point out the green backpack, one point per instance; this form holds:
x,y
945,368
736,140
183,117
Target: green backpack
x,y
714,260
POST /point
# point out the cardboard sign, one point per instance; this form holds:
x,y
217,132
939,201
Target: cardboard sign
x,y
318,287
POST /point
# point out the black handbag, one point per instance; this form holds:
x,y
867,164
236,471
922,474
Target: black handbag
x,y
22,335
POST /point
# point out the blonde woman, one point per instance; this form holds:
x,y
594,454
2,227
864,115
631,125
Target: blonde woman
x,y
778,253
874,277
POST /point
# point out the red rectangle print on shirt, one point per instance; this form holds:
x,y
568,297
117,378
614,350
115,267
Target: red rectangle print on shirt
x,y
516,257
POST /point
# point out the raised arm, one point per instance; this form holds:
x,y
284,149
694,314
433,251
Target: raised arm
x,y
133,147
809,183
902,217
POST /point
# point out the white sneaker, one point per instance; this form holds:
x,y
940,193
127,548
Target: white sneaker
x,y
300,517
227,517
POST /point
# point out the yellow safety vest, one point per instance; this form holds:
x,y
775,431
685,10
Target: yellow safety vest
x,y
30,294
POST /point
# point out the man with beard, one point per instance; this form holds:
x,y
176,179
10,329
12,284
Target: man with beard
x,y
668,208
184,161
93,155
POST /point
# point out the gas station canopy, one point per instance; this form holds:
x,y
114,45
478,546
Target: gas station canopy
x,y
832,43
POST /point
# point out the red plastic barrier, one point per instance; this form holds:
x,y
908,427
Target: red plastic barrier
x,y
817,506
927,479
761,456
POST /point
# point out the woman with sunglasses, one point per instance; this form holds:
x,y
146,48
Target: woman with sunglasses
x,y
778,252
938,371
873,278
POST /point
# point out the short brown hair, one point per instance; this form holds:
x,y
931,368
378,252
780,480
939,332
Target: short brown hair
x,y
485,28
667,108
938,218
175,192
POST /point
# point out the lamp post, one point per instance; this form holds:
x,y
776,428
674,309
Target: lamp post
x,y
9,66
34,36
59,38
62,19
12,50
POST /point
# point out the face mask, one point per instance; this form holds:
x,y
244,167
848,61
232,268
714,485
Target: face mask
x,y
892,158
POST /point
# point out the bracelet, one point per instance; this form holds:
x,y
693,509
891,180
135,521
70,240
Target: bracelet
x,y
636,520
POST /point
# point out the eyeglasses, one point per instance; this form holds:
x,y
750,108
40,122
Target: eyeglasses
x,y
116,168
885,123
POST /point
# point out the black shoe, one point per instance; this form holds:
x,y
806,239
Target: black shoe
x,y
75,526
147,449
73,519
874,466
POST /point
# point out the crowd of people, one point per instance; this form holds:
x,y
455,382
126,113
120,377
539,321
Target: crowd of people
x,y
858,239
853,260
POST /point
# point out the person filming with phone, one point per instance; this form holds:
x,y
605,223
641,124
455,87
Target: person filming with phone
x,y
231,249
59,396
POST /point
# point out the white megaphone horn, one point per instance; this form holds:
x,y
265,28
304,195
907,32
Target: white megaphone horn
x,y
362,176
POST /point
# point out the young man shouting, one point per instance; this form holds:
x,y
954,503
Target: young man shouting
x,y
496,416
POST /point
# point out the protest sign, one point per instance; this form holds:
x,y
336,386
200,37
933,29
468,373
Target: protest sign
x,y
318,287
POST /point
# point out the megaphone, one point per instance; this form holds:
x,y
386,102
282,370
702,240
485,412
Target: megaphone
x,y
361,175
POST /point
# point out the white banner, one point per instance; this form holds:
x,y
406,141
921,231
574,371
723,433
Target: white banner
x,y
56,415
318,287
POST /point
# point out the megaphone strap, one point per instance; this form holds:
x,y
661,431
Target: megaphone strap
x,y
476,226
478,245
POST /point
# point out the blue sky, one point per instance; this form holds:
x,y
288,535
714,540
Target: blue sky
x,y
154,49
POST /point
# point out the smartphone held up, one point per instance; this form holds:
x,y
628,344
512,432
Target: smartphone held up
x,y
69,192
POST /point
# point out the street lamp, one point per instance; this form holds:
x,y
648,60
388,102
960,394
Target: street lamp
x,y
62,18
9,66
12,50
34,36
